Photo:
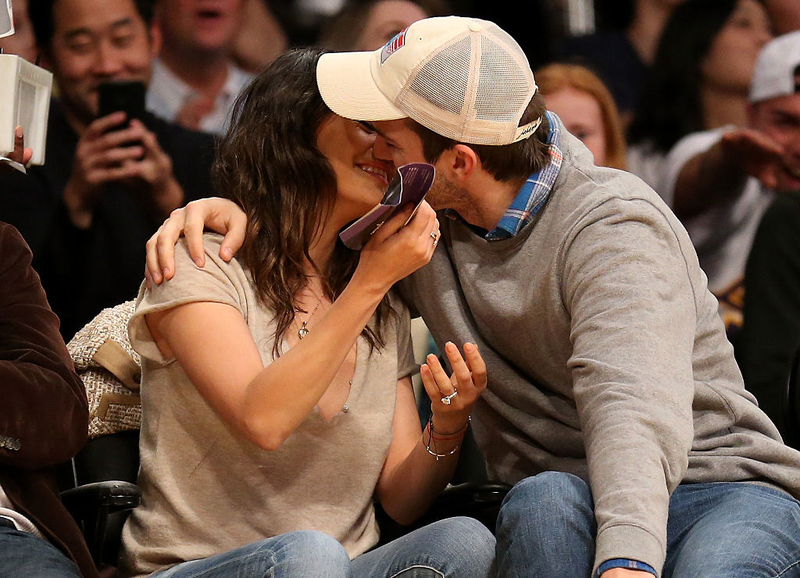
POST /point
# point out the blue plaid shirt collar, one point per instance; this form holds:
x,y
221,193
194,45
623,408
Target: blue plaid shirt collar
x,y
534,193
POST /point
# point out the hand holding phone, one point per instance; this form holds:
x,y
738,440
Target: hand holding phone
x,y
121,95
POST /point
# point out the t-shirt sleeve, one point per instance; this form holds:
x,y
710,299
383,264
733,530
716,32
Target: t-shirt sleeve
x,y
683,151
406,365
216,282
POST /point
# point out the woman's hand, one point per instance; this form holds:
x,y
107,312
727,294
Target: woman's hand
x,y
396,250
452,398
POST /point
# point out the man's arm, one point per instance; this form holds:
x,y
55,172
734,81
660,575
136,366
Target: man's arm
x,y
719,173
220,215
632,308
44,414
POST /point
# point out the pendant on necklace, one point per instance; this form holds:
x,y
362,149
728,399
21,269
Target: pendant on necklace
x,y
303,331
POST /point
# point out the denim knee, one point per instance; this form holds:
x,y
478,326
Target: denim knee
x,y
546,496
458,547
546,527
473,549
313,553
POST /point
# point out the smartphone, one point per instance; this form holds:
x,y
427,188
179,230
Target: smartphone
x,y
124,95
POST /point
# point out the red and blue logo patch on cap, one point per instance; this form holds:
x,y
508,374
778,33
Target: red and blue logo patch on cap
x,y
393,45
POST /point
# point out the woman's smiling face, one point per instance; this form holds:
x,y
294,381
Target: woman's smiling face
x,y
361,179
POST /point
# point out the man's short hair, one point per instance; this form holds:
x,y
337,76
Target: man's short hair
x,y
509,162
41,15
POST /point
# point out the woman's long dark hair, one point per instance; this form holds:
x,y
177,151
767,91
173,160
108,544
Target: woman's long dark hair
x,y
269,164
670,107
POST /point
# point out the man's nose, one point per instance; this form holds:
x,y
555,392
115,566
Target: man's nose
x,y
108,61
381,150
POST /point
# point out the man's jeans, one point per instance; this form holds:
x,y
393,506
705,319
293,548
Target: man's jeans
x,y
546,528
23,555
456,547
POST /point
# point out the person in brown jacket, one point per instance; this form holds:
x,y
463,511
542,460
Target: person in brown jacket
x,y
43,422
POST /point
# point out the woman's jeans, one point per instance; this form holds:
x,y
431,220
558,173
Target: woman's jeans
x,y
546,527
455,547
23,555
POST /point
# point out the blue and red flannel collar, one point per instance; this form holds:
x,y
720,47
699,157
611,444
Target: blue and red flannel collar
x,y
533,194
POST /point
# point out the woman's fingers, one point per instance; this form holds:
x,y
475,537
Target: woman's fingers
x,y
477,366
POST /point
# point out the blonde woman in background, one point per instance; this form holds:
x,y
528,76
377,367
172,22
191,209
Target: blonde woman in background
x,y
586,107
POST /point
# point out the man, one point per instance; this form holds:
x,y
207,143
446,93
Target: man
x,y
195,81
721,181
102,192
766,158
44,421
784,14
614,402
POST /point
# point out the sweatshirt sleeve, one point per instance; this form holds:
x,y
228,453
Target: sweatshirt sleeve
x,y
44,413
627,290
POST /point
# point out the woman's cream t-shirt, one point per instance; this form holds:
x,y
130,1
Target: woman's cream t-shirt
x,y
205,489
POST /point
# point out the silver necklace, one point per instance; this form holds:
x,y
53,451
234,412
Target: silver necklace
x,y
304,331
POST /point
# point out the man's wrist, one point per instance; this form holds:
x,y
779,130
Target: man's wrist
x,y
626,564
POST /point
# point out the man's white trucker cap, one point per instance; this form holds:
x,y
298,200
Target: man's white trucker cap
x,y
463,78
776,67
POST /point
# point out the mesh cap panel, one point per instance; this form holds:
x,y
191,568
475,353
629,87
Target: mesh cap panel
x,y
428,81
499,69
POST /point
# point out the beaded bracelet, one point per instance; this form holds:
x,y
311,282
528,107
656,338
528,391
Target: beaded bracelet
x,y
432,438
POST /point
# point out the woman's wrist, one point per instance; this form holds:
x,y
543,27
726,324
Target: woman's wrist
x,y
444,427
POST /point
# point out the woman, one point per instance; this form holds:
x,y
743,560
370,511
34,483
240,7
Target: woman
x,y
584,105
290,405
699,80
369,24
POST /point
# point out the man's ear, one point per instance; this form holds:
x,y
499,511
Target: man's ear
x,y
155,39
462,162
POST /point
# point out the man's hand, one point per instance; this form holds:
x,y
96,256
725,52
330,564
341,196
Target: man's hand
x,y
719,174
101,158
754,153
220,215
20,154
193,110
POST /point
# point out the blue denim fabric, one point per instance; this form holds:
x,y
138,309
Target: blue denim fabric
x,y
23,555
304,553
546,527
456,547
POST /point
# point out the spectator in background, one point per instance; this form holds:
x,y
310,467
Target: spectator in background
x,y
38,537
587,109
22,42
770,339
44,419
87,212
721,181
369,24
622,57
261,38
784,14
194,80
699,80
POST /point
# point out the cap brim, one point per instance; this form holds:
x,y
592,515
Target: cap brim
x,y
346,84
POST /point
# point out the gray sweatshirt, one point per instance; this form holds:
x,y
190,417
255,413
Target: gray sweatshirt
x,y
606,356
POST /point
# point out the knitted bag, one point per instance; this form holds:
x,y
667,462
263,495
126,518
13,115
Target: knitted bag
x,y
110,370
